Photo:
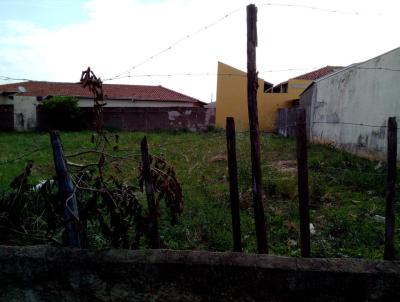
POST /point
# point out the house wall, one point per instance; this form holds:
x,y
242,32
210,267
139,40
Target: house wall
x,y
306,100
232,99
145,118
24,111
361,94
272,102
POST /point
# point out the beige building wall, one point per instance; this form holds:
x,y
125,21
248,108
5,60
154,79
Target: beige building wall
x,y
24,111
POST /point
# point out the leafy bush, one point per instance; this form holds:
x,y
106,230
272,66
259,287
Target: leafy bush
x,y
63,113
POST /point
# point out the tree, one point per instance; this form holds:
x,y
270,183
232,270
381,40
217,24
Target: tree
x,y
63,113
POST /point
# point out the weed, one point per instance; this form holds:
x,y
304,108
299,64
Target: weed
x,y
346,191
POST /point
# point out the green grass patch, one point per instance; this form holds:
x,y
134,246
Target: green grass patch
x,y
347,192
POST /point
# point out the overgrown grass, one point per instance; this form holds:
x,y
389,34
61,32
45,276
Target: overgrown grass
x,y
347,192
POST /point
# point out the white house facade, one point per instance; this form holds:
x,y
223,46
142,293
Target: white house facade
x,y
23,98
350,108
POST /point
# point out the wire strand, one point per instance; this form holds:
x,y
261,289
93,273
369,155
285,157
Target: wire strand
x,y
349,123
201,74
316,8
6,78
176,43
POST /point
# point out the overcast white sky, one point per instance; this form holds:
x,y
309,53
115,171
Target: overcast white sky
x,y
54,40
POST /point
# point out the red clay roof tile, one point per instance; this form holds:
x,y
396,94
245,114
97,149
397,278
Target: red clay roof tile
x,y
112,91
319,73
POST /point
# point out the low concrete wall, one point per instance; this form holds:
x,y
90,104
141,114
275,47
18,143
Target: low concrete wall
x,y
62,274
350,108
146,119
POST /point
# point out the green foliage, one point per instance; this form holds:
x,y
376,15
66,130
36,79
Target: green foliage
x,y
63,113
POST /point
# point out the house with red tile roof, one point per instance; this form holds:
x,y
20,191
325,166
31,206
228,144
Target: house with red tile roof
x,y
232,96
309,76
22,99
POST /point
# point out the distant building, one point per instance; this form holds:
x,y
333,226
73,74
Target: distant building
x,y
350,108
130,107
232,96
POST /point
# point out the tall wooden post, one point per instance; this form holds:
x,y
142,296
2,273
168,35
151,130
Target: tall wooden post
x,y
66,192
389,253
302,180
252,86
151,204
233,183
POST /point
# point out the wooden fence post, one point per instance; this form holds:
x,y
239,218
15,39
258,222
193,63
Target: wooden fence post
x,y
233,183
252,86
302,180
389,253
66,192
153,215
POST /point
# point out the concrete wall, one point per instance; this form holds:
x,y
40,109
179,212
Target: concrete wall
x,y
146,118
307,98
26,118
365,94
232,99
24,111
62,274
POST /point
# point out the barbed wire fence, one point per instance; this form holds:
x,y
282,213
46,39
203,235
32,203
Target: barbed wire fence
x,y
214,138
128,72
218,183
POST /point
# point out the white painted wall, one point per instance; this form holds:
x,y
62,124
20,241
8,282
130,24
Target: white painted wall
x,y
25,108
24,111
360,94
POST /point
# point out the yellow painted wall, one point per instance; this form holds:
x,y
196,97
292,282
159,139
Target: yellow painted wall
x,y
232,99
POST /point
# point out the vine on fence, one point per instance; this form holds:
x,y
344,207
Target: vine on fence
x,y
166,186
